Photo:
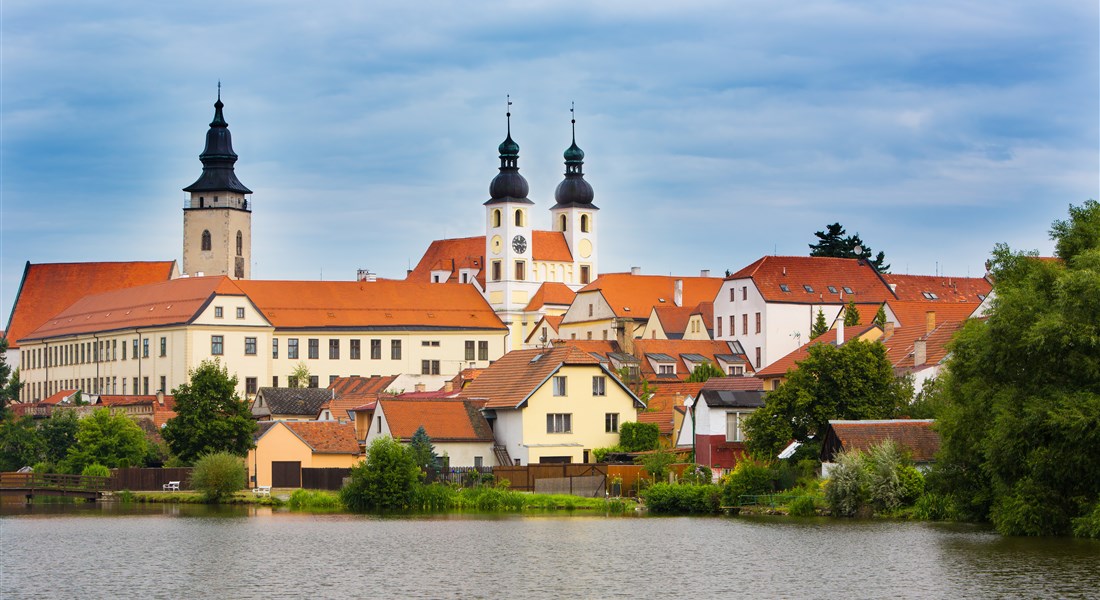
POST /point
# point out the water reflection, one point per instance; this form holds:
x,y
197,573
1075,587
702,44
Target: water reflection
x,y
172,551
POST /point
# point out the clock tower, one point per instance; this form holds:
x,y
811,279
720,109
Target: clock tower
x,y
574,215
510,277
217,217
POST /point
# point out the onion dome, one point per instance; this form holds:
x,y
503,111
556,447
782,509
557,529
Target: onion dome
x,y
218,158
573,190
509,185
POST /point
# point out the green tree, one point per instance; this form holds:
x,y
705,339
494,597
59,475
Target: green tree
x,y
210,416
422,448
218,474
386,480
657,463
704,371
299,377
880,318
9,385
1021,419
851,314
112,440
58,434
820,326
639,437
20,443
835,243
852,381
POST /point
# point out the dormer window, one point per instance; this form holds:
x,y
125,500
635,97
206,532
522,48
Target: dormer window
x,y
809,288
847,290
832,289
783,288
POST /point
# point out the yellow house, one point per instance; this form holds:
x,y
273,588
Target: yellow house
x,y
284,448
552,405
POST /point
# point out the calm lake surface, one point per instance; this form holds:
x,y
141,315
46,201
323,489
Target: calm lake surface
x,y
179,551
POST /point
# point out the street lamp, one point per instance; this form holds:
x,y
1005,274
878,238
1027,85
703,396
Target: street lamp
x,y
689,403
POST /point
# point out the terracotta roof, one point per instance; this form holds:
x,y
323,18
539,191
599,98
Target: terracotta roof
x,y
443,420
326,437
674,319
661,405
511,379
60,396
370,304
706,311
733,383
915,315
769,272
916,435
161,412
451,255
48,289
635,295
551,292
352,392
166,303
940,289
677,348
552,322
900,346
601,347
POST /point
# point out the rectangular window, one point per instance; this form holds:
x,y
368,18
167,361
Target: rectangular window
x,y
496,270
586,274
334,349
250,385
135,348
250,346
666,369
429,367
483,350
376,349
145,385
274,381
478,461
216,343
240,312
559,423
744,292
292,348
559,385
314,348
164,384
599,385
736,370
314,381
395,349
521,270
217,312
144,348
470,351
430,343
745,324
734,421
135,385
758,357
611,423
123,350
275,349
757,322
355,349
732,291
719,327
163,346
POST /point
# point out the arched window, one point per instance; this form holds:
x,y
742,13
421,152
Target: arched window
x,y
496,218
206,240
240,244
519,218
563,222
584,223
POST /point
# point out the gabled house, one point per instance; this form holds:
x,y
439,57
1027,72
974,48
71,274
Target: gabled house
x,y
290,404
284,448
674,360
351,392
716,416
915,436
457,428
552,405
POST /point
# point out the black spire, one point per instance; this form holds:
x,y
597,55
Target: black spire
x,y
218,157
509,185
573,190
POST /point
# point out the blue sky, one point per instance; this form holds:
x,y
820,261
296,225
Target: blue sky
x,y
714,132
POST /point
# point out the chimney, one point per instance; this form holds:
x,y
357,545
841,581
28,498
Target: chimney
x,y
929,321
678,292
893,287
920,352
160,397
840,328
784,271
888,331
624,334
420,387
704,273
635,270
449,386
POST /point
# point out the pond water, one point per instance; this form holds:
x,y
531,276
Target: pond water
x,y
180,551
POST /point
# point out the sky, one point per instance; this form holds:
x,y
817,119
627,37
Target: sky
x,y
714,132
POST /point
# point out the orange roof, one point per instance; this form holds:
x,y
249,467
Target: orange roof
x,y
325,437
451,255
165,303
900,346
706,311
442,420
780,367
916,314
59,396
769,272
635,295
352,392
553,322
509,381
931,288
550,246
915,435
551,292
733,383
676,348
47,289
663,402
674,319
322,304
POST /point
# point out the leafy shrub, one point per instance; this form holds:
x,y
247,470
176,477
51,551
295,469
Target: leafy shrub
x,y
639,437
385,480
599,454
657,463
846,490
932,506
43,467
314,500
697,475
676,498
750,477
912,484
881,466
96,470
217,475
1088,526
802,506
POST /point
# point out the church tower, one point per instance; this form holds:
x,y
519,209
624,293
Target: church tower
x,y
217,218
574,215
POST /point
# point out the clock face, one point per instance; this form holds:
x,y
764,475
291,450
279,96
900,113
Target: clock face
x,y
519,244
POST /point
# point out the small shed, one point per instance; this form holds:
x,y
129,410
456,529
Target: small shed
x,y
914,435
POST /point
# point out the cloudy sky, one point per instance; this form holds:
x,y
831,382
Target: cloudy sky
x,y
715,132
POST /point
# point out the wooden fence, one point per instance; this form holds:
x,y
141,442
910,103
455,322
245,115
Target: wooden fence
x,y
324,478
150,479
522,478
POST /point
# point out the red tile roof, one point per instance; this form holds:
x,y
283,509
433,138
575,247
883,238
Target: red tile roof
x,y
915,435
674,319
635,295
322,304
166,303
442,420
551,322
915,315
451,255
676,348
661,405
352,392
550,246
945,289
59,396
780,367
552,293
769,272
509,381
325,437
733,383
900,346
47,289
